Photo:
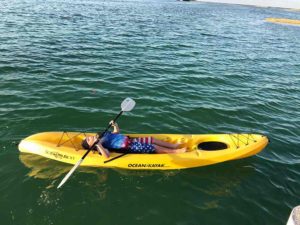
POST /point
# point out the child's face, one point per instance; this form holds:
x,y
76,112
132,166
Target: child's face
x,y
91,140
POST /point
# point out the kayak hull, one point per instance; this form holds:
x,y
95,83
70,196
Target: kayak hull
x,y
202,150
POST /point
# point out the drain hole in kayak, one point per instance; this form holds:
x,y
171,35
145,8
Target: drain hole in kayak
x,y
212,146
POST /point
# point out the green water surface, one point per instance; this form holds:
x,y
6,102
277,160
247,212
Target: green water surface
x,y
191,67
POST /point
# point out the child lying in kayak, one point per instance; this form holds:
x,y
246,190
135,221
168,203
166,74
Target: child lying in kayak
x,y
121,143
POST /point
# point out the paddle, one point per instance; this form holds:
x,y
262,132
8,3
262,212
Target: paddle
x,y
126,106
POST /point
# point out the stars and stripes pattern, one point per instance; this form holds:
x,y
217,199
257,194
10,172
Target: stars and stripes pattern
x,y
141,147
143,140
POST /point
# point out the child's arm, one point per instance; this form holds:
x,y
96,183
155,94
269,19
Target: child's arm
x,y
103,151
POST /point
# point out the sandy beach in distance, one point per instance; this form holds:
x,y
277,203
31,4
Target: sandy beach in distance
x,y
291,4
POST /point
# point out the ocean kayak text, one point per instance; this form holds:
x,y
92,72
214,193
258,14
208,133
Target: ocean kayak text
x,y
145,165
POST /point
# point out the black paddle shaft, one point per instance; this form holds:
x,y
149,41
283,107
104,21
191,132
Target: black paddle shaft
x,y
100,135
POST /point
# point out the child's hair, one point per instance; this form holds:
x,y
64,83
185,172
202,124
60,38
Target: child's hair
x,y
86,146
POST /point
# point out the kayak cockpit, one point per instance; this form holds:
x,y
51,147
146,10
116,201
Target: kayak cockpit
x,y
212,146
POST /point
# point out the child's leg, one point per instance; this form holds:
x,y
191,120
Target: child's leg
x,y
165,144
160,149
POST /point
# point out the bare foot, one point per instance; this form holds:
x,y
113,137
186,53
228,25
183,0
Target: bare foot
x,y
181,145
180,150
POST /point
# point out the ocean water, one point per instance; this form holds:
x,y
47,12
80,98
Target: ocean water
x,y
191,67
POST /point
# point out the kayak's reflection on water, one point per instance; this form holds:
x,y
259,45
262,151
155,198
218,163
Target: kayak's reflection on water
x,y
215,182
43,168
51,170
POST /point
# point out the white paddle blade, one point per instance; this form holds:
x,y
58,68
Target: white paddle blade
x,y
127,105
70,173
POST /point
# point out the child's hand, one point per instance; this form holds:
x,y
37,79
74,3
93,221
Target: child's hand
x,y
115,126
112,123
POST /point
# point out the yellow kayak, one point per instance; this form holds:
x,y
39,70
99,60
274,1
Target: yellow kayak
x,y
202,150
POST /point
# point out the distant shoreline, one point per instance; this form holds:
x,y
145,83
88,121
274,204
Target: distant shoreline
x,y
267,3
283,21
